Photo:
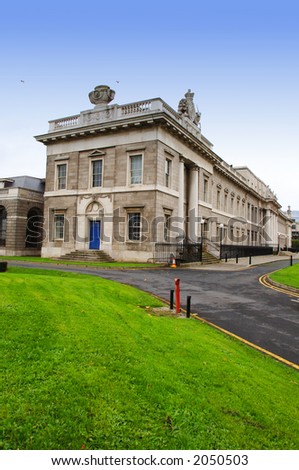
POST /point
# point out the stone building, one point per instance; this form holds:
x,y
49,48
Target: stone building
x,y
129,179
21,216
294,215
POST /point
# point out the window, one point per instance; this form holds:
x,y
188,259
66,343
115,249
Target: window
x,y
136,169
97,173
3,222
205,189
59,226
218,199
61,176
167,172
134,226
225,202
167,227
248,211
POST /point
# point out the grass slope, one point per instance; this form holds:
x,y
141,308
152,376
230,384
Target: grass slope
x,y
288,276
85,365
102,264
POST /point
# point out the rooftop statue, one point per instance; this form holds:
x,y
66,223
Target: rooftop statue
x,y
186,108
101,95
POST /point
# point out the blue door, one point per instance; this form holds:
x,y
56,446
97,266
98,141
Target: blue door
x,y
94,236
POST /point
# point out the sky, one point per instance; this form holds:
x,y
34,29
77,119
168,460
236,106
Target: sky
x,y
239,57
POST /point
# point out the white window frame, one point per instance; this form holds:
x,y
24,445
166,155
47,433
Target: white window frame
x,y
59,164
168,172
56,216
91,185
130,156
129,215
167,226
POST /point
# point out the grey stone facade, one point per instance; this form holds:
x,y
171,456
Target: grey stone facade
x,y
21,216
122,178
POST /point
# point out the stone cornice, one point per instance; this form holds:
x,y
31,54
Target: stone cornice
x,y
244,186
144,114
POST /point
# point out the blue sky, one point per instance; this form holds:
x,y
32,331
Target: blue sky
x,y
241,58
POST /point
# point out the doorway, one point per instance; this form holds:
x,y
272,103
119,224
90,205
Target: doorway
x,y
95,235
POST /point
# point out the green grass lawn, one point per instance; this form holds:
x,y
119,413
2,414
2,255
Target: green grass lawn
x,y
114,264
88,364
288,276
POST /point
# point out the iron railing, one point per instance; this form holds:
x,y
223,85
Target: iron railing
x,y
242,251
182,252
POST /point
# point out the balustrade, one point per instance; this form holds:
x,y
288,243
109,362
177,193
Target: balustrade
x,y
64,122
115,112
133,108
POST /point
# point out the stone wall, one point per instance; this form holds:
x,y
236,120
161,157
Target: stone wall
x,y
18,202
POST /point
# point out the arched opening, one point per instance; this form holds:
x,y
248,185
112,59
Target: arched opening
x,y
34,229
3,225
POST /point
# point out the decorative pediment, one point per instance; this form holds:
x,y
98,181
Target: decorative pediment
x,y
97,153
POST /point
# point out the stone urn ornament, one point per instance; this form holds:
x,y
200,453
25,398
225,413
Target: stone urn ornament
x,y
101,95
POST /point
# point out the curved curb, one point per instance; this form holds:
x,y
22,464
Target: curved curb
x,y
197,317
248,343
282,288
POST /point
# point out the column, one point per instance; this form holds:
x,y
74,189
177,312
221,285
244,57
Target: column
x,y
268,228
181,201
275,232
193,204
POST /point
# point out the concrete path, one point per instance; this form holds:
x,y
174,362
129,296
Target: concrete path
x,y
226,295
232,265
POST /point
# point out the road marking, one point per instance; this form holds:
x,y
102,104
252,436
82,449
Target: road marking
x,y
264,280
293,300
243,340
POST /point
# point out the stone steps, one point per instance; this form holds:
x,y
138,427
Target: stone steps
x,y
98,256
208,258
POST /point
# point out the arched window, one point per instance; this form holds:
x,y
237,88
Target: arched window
x,y
34,229
3,224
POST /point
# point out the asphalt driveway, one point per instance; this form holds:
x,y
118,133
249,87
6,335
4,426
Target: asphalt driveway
x,y
233,300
